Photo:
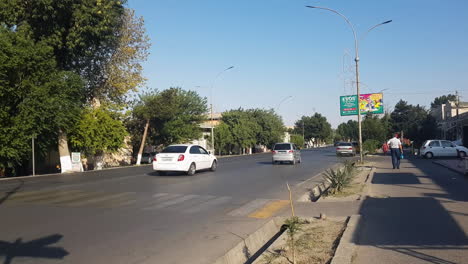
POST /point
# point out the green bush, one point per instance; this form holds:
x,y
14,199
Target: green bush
x,y
370,146
340,178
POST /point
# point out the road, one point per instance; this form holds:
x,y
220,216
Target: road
x,y
131,215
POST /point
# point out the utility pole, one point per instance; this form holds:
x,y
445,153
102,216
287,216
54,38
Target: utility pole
x,y
33,158
303,132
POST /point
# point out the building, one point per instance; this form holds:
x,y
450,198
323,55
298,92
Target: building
x,y
452,121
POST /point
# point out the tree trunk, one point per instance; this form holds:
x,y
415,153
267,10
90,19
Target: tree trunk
x,y
142,146
64,153
98,162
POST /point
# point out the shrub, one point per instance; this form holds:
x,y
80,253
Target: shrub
x,y
340,178
370,146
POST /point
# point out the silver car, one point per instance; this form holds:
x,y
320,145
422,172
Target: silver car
x,y
286,152
345,148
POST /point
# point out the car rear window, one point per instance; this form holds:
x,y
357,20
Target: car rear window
x,y
282,147
345,144
175,149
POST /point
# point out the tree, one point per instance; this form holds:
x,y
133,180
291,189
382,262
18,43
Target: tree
x,y
98,131
223,138
270,126
171,116
348,131
298,140
243,129
315,126
123,71
36,99
373,129
444,99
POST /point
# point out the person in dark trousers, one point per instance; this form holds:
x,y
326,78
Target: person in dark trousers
x,y
395,149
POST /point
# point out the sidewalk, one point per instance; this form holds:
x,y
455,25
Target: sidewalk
x,y
418,214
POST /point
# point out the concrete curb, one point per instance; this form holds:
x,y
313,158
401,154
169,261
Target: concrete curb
x,y
314,194
346,248
254,242
449,168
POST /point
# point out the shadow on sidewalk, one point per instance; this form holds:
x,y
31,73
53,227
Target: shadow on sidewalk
x,y
413,226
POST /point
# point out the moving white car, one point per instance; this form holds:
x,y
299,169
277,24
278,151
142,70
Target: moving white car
x,y
184,158
286,152
442,148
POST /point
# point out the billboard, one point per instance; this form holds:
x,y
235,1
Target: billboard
x,y
368,103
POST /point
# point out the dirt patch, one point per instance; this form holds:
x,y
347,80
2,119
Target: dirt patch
x,y
315,243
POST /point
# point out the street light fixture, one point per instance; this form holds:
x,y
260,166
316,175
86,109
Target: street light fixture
x,y
211,106
282,101
356,60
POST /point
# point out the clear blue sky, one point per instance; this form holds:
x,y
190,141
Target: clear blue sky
x,y
279,48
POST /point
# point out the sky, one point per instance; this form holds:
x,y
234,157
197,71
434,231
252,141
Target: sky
x,y
299,60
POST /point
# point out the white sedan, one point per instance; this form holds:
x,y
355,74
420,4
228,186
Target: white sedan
x,y
184,158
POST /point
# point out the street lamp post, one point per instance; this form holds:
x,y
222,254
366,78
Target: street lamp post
x,y
356,60
211,106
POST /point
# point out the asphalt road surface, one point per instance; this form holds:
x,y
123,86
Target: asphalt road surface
x,y
132,215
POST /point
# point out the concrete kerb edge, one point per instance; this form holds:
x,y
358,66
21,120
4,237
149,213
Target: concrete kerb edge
x,y
252,243
449,168
314,194
346,247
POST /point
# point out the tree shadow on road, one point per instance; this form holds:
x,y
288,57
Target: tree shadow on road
x,y
11,192
38,248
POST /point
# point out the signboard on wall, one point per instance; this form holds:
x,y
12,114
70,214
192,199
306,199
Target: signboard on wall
x,y
368,103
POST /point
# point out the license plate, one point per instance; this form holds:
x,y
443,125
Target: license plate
x,y
166,159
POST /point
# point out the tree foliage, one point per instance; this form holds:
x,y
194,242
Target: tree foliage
x,y
444,99
35,97
174,114
297,140
99,130
315,126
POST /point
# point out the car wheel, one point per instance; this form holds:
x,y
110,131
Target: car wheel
x,y
293,162
273,162
462,154
429,155
299,160
214,165
192,169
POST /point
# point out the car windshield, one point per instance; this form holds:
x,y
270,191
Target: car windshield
x,y
175,149
282,146
345,144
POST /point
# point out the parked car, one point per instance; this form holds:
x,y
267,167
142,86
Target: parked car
x,y
148,157
184,158
345,148
441,148
286,152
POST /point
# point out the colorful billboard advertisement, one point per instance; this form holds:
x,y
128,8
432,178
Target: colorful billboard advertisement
x,y
368,103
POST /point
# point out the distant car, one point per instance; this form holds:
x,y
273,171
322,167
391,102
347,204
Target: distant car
x,y
184,158
147,157
286,152
345,148
441,148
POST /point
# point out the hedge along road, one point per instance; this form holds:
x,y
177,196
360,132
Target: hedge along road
x,y
132,215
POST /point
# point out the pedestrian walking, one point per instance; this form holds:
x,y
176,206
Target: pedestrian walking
x,y
385,148
396,150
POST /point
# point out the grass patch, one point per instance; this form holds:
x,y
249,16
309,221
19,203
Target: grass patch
x,y
315,242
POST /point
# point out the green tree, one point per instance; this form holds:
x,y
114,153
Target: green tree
x,y
35,97
98,131
298,140
223,138
270,126
373,128
348,131
243,128
444,99
171,116
315,126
